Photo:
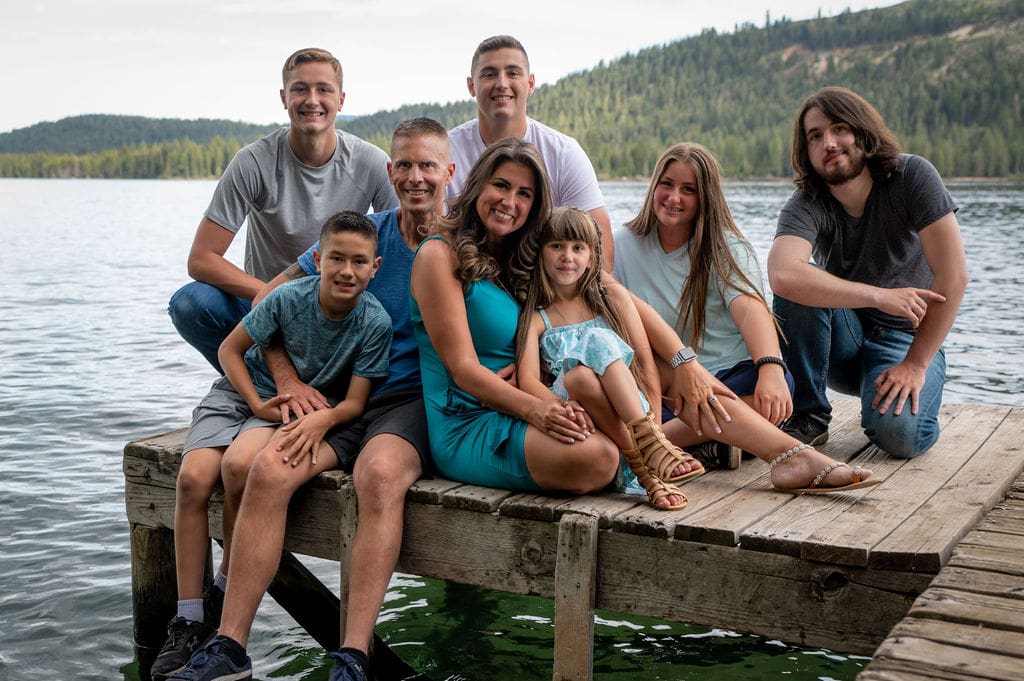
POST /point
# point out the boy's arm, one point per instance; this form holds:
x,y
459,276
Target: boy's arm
x,y
232,359
206,261
304,399
304,435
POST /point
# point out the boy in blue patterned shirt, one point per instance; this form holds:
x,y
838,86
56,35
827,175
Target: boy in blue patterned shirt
x,y
338,337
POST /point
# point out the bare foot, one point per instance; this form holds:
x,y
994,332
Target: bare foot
x,y
800,470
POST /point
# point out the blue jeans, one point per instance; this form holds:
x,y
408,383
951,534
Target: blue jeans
x,y
831,348
204,315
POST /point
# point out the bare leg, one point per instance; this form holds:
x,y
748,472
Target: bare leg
x,y
259,533
752,432
579,468
197,476
622,391
385,469
587,388
234,469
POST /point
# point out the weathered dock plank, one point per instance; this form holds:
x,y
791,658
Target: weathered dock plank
x,y
969,623
837,571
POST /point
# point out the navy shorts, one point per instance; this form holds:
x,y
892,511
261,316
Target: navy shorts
x,y
398,413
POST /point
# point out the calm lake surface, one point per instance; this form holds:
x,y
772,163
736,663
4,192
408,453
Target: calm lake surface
x,y
89,360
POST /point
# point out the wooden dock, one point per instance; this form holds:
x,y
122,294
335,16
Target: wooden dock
x,y
840,571
969,623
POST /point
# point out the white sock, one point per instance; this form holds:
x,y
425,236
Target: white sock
x,y
191,609
220,580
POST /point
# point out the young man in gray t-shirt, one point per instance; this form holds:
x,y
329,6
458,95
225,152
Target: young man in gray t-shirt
x,y
869,316
283,187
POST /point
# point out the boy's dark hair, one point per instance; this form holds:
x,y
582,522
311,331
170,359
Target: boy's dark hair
x,y
840,105
350,222
497,42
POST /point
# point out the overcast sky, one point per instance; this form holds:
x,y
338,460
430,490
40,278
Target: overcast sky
x,y
222,58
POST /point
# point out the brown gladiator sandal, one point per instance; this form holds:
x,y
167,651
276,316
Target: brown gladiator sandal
x,y
656,488
656,452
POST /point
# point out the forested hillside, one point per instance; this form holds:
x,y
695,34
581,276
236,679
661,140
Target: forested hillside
x,y
946,74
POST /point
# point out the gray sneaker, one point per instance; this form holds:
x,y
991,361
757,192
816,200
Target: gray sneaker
x,y
809,427
183,639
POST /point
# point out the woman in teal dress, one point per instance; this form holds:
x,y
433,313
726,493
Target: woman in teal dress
x,y
465,283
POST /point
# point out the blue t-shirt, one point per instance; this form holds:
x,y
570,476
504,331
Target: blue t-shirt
x,y
326,352
391,287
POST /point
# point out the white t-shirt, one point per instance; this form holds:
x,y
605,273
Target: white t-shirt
x,y
573,180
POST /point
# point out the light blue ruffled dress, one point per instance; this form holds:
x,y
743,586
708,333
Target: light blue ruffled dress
x,y
591,343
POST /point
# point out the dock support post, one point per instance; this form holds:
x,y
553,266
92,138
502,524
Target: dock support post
x,y
575,587
349,516
154,586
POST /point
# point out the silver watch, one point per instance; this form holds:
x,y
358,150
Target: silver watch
x,y
682,357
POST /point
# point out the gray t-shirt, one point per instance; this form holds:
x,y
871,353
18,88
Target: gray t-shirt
x,y
882,247
326,352
287,202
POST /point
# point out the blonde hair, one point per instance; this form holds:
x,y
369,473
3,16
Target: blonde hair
x,y
709,247
474,259
573,224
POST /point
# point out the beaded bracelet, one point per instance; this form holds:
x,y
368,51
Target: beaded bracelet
x,y
770,360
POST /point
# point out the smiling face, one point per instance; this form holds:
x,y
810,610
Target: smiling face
x,y
506,200
565,263
676,203
501,83
346,262
832,148
313,97
420,169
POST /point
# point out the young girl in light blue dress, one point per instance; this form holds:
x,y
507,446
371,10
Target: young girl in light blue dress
x,y
573,336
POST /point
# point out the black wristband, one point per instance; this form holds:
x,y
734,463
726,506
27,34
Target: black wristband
x,y
770,360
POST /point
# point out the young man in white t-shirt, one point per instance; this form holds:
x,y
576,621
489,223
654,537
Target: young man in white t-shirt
x,y
501,82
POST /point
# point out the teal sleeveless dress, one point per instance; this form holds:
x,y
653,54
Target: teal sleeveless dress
x,y
470,442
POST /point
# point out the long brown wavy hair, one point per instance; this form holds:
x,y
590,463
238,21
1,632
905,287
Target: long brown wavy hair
x,y
573,224
474,260
879,144
709,249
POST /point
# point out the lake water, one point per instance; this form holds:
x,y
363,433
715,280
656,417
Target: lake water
x,y
89,360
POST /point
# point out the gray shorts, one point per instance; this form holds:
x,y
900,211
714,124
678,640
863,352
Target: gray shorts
x,y
398,413
220,417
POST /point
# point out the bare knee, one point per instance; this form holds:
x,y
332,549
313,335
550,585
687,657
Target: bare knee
x,y
382,475
582,383
195,485
597,466
234,471
268,477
